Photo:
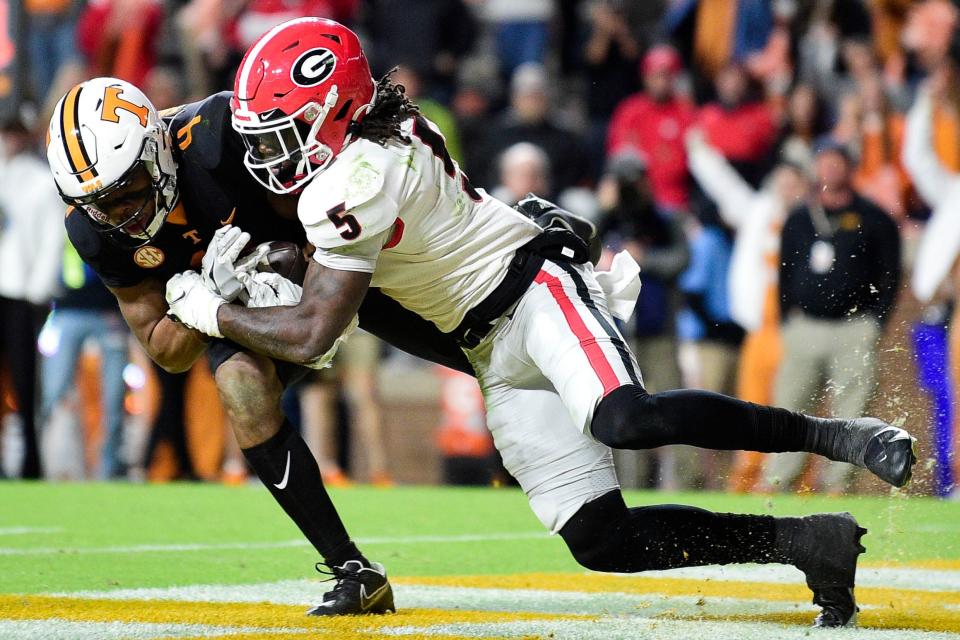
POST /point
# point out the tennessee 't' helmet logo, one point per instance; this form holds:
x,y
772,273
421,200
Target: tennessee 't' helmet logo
x,y
313,67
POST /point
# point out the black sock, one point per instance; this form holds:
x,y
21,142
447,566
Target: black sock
x,y
286,460
631,418
607,536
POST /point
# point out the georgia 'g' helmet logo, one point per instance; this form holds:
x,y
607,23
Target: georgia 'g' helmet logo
x,y
313,67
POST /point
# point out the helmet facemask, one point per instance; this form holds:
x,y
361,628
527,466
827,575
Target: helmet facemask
x,y
160,190
285,153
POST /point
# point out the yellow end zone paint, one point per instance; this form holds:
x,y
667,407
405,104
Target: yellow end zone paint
x,y
884,608
268,616
895,608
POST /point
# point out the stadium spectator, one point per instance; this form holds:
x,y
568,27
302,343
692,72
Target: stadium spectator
x,y
839,276
935,271
520,31
354,374
710,339
529,120
524,169
880,176
653,124
805,121
119,37
435,33
757,218
51,42
411,77
164,86
632,221
713,34
86,312
31,246
610,54
475,98
739,124
259,16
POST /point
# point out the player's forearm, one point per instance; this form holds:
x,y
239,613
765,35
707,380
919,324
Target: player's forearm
x,y
304,332
294,334
173,346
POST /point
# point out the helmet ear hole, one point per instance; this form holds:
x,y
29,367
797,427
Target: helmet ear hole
x,y
344,110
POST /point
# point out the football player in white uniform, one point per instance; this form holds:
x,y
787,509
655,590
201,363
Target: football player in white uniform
x,y
386,206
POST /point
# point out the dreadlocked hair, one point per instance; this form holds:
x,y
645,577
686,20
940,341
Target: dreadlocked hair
x,y
390,108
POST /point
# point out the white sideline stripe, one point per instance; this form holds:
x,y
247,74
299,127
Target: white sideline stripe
x,y
646,628
18,531
895,577
223,546
58,629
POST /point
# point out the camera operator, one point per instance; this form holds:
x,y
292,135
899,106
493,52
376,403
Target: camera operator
x,y
631,220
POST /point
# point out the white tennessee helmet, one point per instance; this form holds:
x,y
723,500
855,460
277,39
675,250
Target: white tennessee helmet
x,y
111,157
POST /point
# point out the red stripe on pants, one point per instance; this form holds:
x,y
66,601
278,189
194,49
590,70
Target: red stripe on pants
x,y
588,342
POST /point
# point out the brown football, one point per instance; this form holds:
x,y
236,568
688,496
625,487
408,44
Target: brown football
x,y
284,258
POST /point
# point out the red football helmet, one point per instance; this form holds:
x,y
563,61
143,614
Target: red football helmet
x,y
297,91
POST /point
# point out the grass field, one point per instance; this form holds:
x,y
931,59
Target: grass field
x,y
94,561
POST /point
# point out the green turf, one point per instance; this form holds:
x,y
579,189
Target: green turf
x,y
101,515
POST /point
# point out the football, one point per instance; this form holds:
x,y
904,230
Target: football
x,y
285,258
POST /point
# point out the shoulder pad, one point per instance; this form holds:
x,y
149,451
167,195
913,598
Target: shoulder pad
x,y
351,183
347,204
200,130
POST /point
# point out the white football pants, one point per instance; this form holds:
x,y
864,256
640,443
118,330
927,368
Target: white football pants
x,y
543,369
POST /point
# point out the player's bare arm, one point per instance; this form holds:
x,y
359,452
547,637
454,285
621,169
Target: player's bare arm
x,y
304,332
172,345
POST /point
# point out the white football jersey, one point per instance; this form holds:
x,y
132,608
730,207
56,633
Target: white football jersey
x,y
406,214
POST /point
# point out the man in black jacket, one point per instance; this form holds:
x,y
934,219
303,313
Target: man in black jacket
x,y
839,276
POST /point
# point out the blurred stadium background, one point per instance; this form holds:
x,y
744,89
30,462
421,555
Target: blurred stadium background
x,y
667,123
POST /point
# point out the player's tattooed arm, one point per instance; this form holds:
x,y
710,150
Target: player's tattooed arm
x,y
172,345
304,332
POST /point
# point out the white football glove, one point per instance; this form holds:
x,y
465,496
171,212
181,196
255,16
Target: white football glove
x,y
326,360
263,289
193,304
217,268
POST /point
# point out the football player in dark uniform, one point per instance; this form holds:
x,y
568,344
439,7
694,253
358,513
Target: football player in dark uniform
x,y
148,194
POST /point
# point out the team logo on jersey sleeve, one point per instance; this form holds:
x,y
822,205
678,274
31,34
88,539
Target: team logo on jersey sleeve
x,y
313,67
149,257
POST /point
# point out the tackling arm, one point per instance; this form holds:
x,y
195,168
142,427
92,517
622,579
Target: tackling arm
x,y
172,345
304,332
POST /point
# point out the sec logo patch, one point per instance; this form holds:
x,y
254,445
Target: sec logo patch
x,y
149,257
313,67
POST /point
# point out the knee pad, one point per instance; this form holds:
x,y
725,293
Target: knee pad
x,y
593,533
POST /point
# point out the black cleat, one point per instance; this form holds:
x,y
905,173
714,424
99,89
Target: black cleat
x,y
825,547
890,452
359,590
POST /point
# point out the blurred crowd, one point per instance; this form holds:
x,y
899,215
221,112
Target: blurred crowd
x,y
782,170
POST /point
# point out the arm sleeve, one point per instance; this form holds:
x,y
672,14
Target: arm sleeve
x,y
920,158
720,181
